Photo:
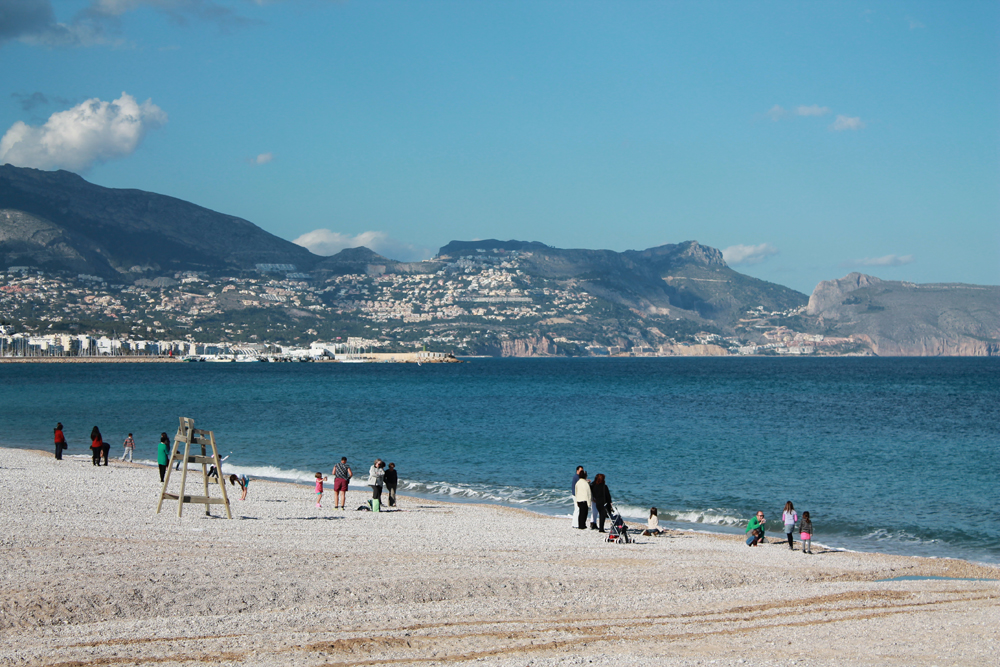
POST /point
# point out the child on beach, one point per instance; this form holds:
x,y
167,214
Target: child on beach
x,y
807,533
789,517
319,488
244,483
129,446
653,524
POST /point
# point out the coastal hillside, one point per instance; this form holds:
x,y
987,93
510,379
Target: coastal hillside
x,y
59,221
80,258
687,279
907,319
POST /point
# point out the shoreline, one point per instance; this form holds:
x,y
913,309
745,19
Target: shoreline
x,y
94,575
410,358
631,520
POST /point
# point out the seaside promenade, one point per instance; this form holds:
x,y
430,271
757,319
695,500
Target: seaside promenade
x,y
91,575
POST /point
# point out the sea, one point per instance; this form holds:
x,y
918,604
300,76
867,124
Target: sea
x,y
897,456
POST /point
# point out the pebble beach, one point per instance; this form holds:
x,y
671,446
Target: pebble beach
x,y
92,575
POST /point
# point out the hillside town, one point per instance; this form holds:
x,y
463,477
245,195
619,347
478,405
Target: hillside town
x,y
473,305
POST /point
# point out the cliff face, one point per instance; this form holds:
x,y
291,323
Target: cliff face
x,y
828,295
904,319
538,346
933,347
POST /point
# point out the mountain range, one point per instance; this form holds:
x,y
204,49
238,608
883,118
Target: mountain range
x,y
57,221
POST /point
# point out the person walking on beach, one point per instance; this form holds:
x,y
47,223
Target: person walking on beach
x,y
391,479
572,492
319,489
601,497
807,533
129,446
96,445
755,529
376,475
342,475
583,498
790,518
105,450
163,454
60,440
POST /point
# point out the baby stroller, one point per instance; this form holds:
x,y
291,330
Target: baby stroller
x,y
619,531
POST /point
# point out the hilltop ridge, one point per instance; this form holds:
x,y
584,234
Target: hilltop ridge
x,y
128,260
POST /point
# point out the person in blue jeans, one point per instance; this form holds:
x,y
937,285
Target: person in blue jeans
x,y
755,529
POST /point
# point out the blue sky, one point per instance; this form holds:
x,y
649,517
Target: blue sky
x,y
807,139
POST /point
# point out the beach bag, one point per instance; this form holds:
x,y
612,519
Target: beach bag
x,y
375,504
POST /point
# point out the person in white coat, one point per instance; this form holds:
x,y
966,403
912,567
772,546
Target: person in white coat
x,y
582,497
375,475
572,492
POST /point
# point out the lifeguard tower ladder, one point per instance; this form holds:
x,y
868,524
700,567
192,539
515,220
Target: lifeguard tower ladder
x,y
188,435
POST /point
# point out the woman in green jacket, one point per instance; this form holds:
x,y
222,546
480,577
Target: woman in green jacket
x,y
163,454
755,529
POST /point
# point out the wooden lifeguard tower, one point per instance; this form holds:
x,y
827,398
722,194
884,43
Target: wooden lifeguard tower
x,y
188,435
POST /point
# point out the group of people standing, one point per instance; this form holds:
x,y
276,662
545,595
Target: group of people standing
x,y
590,497
378,477
99,449
789,517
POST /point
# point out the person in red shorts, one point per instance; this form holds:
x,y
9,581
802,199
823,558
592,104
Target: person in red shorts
x,y
342,475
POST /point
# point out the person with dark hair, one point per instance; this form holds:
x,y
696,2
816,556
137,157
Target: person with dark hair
x,y
376,477
60,441
129,445
572,493
653,523
391,479
582,497
96,446
163,454
601,497
105,450
342,475
789,517
244,483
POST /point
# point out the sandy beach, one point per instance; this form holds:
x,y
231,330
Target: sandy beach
x,y
93,576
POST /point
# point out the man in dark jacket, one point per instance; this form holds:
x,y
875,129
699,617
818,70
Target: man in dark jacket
x,y
389,480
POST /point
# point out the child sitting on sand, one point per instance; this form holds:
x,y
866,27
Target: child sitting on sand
x,y
319,488
653,524
807,533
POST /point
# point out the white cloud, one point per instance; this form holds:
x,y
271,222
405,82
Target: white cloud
x,y
914,23
75,139
888,260
325,242
847,123
812,110
263,158
748,254
776,113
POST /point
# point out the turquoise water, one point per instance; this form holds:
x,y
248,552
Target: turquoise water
x,y
892,455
